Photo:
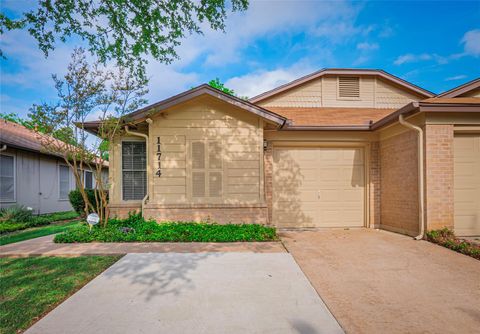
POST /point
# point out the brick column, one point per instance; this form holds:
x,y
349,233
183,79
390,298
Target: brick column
x,y
268,170
439,176
374,175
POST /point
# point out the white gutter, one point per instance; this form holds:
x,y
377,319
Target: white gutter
x,y
421,187
138,134
4,147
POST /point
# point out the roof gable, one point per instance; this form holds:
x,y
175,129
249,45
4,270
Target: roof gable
x,y
141,114
308,78
462,90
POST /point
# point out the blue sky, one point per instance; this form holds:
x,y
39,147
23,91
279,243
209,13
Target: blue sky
x,y
435,45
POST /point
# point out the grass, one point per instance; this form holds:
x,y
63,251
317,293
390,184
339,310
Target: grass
x,y
37,232
31,287
8,226
136,229
446,238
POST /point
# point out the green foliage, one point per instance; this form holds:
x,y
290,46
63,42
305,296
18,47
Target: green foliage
x,y
16,214
217,84
135,228
77,202
7,226
123,30
33,286
446,238
36,232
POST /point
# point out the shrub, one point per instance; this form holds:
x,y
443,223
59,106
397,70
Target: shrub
x,y
16,214
77,202
446,238
135,228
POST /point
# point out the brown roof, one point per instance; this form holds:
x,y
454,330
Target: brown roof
x,y
343,71
331,116
455,100
143,113
462,89
20,137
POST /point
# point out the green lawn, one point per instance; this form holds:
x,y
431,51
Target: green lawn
x,y
41,220
30,287
36,232
136,229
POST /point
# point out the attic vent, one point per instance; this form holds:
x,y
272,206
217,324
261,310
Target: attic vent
x,y
348,87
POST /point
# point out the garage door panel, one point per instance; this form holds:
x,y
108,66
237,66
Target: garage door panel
x,y
325,188
467,184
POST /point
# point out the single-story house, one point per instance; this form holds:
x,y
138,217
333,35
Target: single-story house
x,y
337,148
31,176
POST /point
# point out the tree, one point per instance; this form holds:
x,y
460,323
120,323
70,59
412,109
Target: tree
x,y
216,83
123,30
90,90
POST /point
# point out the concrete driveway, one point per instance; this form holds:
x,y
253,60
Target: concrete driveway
x,y
381,282
195,293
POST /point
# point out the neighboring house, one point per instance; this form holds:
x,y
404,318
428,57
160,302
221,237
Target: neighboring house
x,y
326,150
32,177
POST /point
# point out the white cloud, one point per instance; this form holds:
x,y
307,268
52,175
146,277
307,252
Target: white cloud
x,y
365,46
414,58
456,77
255,83
471,42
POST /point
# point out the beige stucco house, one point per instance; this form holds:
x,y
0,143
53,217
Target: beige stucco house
x,y
326,150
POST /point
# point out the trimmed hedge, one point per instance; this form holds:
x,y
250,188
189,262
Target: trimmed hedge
x,y
136,229
9,226
446,238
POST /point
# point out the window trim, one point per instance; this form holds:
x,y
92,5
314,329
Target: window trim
x,y
130,139
14,200
69,181
359,98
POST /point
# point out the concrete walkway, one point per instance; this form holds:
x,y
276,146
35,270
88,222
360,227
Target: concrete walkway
x,y
382,282
194,293
46,246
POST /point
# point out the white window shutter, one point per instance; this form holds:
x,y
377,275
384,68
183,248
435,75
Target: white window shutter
x,y
215,184
198,184
198,155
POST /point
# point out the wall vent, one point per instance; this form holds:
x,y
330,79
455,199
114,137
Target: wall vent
x,y
349,87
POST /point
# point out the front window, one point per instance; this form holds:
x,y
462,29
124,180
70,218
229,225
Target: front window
x,y
88,182
63,181
7,178
134,170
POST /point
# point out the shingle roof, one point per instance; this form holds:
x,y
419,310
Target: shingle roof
x,y
331,116
18,136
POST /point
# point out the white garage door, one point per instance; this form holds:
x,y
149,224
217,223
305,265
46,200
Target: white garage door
x,y
467,184
318,187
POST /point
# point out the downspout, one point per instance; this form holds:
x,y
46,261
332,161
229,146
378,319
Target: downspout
x,y
4,147
138,134
421,187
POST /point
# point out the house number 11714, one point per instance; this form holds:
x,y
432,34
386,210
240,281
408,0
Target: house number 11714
x,y
159,158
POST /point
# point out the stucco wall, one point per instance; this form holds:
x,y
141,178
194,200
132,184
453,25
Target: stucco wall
x,y
399,183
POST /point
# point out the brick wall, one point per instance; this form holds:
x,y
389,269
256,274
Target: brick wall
x,y
375,178
268,170
399,183
439,176
122,210
222,214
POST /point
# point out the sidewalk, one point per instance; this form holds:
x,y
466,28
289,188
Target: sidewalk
x,y
44,246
